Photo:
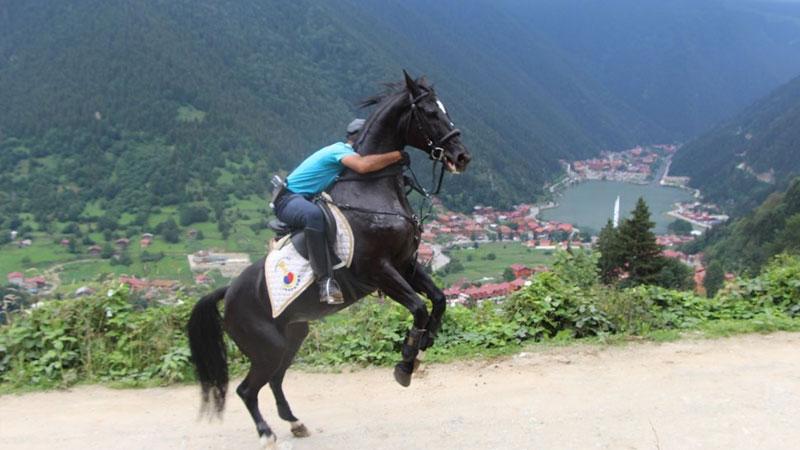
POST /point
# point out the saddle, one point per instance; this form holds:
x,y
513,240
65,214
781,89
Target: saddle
x,y
298,238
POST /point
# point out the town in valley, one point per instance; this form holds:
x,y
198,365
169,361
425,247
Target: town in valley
x,y
444,233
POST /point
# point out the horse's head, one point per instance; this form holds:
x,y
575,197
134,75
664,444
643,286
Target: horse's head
x,y
429,127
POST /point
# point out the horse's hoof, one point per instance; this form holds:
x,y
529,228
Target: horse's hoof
x,y
268,442
299,430
401,376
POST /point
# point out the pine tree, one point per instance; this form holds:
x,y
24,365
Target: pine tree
x,y
642,254
715,278
611,256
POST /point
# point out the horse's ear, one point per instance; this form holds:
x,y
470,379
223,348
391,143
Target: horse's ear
x,y
411,85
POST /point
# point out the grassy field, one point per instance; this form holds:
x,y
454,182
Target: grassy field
x,y
77,269
478,264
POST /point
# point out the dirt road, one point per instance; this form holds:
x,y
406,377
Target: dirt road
x,y
741,392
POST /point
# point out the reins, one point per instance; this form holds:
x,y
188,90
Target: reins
x,y
393,171
436,152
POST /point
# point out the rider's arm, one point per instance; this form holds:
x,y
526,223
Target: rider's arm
x,y
370,163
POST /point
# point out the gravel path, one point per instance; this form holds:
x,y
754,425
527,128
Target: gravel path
x,y
741,392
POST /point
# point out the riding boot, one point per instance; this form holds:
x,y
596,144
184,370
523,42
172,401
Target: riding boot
x,y
329,291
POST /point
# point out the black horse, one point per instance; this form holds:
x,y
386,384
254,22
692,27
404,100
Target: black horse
x,y
387,236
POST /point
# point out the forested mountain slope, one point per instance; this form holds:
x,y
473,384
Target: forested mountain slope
x,y
123,105
138,103
684,64
740,162
748,243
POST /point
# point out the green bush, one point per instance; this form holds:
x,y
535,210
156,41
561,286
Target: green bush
x,y
98,338
776,289
191,214
549,306
115,338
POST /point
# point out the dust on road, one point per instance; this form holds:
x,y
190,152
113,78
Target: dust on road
x,y
741,392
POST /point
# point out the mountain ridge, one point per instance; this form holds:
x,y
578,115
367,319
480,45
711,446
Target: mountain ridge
x,y
743,160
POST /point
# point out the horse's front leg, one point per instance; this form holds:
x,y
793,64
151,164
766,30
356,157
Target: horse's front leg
x,y
396,287
421,282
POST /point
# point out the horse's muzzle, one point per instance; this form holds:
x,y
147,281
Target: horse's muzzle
x,y
457,159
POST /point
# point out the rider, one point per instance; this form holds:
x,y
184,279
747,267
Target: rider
x,y
310,178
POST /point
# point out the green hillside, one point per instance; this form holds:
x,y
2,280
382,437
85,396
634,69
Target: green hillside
x,y
740,162
119,116
136,105
748,243
684,64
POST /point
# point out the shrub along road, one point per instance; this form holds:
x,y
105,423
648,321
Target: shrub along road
x,y
741,392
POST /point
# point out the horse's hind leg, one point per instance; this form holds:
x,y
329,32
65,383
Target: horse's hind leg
x,y
265,347
295,335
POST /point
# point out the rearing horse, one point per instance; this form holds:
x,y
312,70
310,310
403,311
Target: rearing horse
x,y
387,236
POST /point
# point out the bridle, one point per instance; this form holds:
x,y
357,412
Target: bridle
x,y
436,152
434,147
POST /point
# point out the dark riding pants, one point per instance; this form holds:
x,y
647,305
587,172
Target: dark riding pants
x,y
299,212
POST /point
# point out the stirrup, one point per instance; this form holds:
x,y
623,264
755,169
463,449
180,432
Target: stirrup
x,y
329,292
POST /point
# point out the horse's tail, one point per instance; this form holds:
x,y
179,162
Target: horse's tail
x,y
208,349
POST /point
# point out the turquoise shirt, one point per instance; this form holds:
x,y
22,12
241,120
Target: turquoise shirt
x,y
319,170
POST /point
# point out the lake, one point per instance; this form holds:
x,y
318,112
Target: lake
x,y
591,203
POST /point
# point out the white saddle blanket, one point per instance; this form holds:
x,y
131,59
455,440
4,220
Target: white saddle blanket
x,y
288,274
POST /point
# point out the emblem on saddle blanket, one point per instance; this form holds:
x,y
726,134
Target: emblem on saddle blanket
x,y
288,274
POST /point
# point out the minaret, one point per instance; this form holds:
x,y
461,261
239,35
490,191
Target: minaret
x,y
616,213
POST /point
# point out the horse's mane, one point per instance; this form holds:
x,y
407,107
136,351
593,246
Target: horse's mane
x,y
392,89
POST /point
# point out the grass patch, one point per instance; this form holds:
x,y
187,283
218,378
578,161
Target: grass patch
x,y
190,114
41,253
761,324
478,263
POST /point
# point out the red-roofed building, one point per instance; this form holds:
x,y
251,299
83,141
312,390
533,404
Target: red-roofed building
x,y
137,284
521,271
674,254
39,281
15,278
425,253
471,294
134,283
163,284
